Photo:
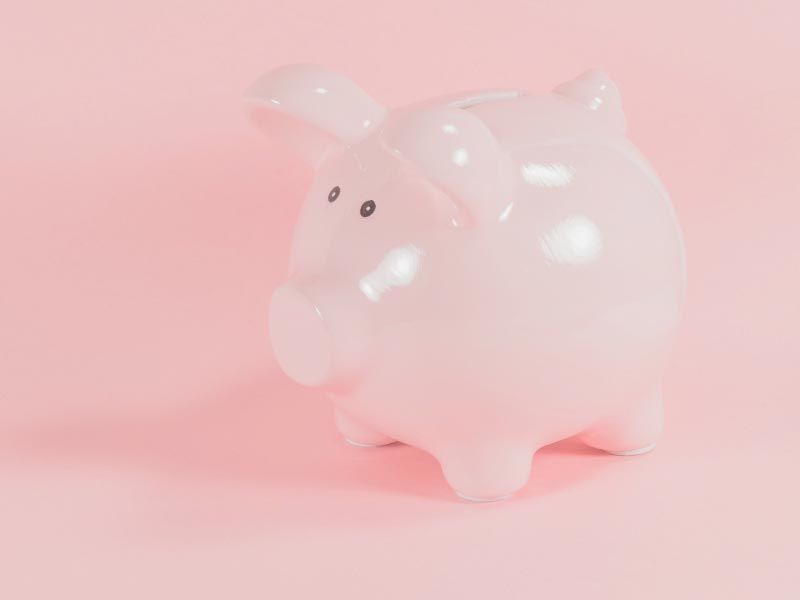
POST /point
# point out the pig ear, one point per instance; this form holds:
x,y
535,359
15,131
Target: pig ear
x,y
311,109
457,152
595,90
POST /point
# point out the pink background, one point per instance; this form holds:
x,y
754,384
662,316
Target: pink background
x,y
150,448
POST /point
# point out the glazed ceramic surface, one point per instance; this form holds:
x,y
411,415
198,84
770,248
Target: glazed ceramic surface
x,y
478,275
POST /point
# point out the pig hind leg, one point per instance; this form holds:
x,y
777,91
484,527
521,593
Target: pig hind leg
x,y
632,431
358,434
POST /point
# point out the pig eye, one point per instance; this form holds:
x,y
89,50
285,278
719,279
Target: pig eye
x,y
334,194
367,208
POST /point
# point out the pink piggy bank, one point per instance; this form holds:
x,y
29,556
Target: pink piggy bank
x,y
478,275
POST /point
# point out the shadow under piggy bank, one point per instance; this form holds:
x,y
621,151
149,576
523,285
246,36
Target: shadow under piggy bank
x,y
272,432
261,449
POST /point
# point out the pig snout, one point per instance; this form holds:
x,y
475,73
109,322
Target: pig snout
x,y
319,337
300,337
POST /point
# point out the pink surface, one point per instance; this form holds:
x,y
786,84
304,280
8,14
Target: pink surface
x,y
148,445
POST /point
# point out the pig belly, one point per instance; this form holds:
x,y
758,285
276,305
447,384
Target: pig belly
x,y
518,383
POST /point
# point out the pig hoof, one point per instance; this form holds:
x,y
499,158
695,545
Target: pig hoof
x,y
481,500
634,452
366,444
487,472
358,434
630,432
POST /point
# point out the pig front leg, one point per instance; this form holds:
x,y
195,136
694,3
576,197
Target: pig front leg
x,y
485,472
358,434
632,431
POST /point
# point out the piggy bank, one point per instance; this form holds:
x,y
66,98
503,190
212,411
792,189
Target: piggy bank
x,y
477,275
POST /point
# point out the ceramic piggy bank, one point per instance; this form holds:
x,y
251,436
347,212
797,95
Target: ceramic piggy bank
x,y
478,275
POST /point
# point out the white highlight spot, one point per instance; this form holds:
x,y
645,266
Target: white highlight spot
x,y
551,175
595,103
274,100
506,211
321,90
449,128
574,241
460,157
397,269
366,123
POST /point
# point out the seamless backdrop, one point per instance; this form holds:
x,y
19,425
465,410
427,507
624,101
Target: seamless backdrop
x,y
150,448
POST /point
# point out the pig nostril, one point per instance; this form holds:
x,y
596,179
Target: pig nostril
x,y
334,194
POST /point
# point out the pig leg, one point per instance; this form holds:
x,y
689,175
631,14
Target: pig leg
x,y
358,434
486,472
630,432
